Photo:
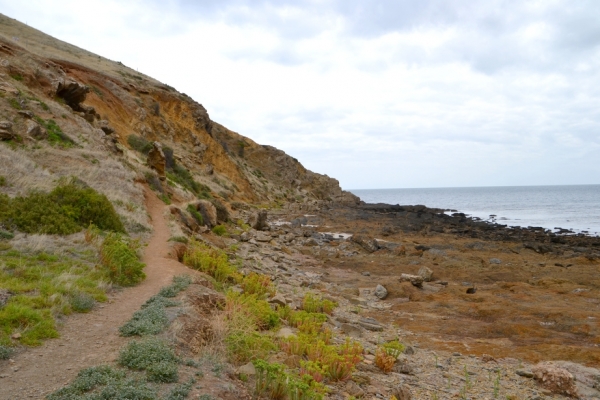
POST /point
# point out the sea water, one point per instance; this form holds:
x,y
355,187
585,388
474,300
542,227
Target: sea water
x,y
575,207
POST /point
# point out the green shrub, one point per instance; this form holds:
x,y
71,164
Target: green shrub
x,y
6,235
258,284
180,283
163,372
197,216
180,239
119,257
147,321
5,352
243,346
65,210
210,261
219,230
14,103
258,311
181,392
17,77
2,180
393,348
139,144
313,303
139,355
82,302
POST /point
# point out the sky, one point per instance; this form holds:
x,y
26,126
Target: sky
x,y
377,94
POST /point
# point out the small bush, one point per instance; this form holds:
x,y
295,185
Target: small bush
x,y
82,302
384,361
67,209
315,304
147,321
139,144
259,311
212,262
258,284
17,77
393,348
246,346
180,239
2,180
181,392
163,372
14,103
119,257
139,355
5,352
219,230
6,235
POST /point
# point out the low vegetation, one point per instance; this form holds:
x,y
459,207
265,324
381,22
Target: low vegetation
x,y
55,134
42,287
65,210
119,257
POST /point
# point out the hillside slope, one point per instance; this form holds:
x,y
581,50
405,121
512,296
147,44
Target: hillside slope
x,y
100,104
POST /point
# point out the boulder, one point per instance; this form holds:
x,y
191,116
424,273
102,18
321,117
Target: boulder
x,y
187,221
105,126
35,130
369,244
402,392
247,370
495,261
380,292
426,274
208,212
6,132
555,379
415,280
258,220
156,160
72,92
278,299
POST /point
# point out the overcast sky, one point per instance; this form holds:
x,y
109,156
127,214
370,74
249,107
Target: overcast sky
x,y
378,94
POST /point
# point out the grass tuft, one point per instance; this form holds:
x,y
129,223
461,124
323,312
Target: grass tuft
x,y
139,355
119,256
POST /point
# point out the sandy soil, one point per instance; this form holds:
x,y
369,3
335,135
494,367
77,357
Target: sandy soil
x,y
91,339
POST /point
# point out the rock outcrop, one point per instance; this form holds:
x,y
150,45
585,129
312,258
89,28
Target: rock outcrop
x,y
156,160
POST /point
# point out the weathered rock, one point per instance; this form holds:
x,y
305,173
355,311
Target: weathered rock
x,y
402,392
380,292
415,280
278,299
262,237
156,160
258,220
354,390
285,332
106,128
6,132
370,324
178,250
425,273
245,236
369,244
25,114
556,379
524,373
351,330
247,370
186,220
72,92
35,130
208,212
495,261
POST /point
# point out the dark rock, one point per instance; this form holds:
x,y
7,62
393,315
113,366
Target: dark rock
x,y
6,132
258,220
72,92
156,160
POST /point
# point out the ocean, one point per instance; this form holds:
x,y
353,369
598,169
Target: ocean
x,y
575,207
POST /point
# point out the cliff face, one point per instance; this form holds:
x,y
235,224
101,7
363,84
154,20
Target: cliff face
x,y
99,104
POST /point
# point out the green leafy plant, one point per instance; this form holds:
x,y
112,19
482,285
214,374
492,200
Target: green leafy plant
x,y
119,256
258,284
315,304
67,209
139,355
5,352
162,371
393,348
219,230
139,144
212,262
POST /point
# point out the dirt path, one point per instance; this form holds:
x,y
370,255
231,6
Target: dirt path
x,y
91,339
